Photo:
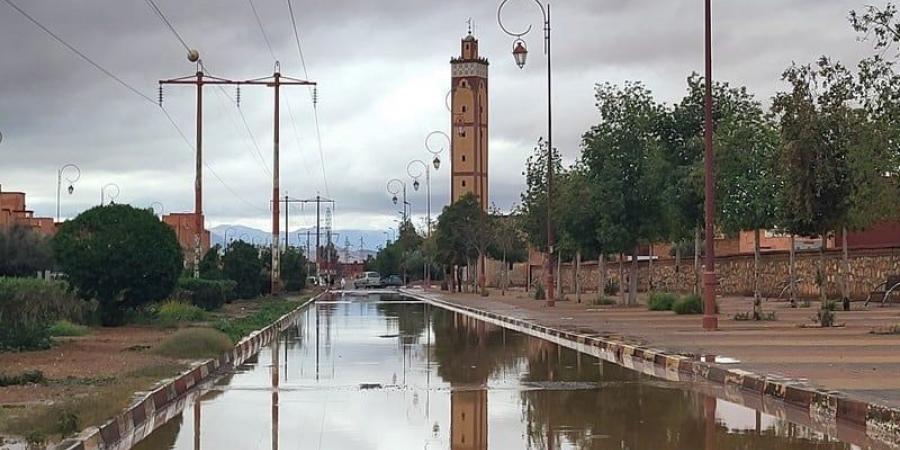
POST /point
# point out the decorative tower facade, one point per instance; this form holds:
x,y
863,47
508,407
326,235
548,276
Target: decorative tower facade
x,y
469,117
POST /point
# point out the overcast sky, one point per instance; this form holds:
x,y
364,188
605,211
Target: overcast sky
x,y
383,73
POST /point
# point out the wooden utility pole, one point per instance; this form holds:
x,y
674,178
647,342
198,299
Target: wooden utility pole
x,y
275,81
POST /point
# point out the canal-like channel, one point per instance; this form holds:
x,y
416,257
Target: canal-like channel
x,y
365,372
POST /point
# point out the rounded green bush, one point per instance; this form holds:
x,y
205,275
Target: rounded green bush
x,y
174,312
689,304
194,343
661,301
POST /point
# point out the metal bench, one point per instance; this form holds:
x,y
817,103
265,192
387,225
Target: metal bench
x,y
885,289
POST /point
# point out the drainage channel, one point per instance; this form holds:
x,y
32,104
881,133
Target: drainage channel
x,y
361,372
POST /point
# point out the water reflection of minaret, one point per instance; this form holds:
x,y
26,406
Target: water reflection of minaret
x,y
469,406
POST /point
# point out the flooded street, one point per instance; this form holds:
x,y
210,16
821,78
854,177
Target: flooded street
x,y
360,373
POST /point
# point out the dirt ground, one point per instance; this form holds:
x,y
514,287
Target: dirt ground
x,y
849,358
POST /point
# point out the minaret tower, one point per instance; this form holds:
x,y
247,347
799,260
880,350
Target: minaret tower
x,y
469,122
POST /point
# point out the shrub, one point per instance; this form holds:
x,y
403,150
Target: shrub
x,y
24,252
122,256
27,377
174,312
65,328
293,270
661,301
194,343
689,304
611,287
539,293
206,294
27,308
242,265
603,300
270,312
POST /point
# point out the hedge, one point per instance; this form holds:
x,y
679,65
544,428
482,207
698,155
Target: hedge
x,y
206,294
28,306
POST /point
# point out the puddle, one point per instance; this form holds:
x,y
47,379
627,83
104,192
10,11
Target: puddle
x,y
362,374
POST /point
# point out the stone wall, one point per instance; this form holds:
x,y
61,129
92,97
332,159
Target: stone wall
x,y
735,273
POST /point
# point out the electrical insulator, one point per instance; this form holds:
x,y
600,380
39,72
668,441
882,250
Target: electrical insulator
x,y
238,95
315,95
160,96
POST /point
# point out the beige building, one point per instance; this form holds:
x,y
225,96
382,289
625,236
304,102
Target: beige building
x,y
469,116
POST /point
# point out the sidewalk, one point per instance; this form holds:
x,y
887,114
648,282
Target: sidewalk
x,y
849,359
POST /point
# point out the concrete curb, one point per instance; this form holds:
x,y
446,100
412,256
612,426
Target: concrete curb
x,y
169,397
833,412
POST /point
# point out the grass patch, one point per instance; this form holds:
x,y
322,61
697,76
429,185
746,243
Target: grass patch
x,y
172,313
64,328
27,377
661,301
748,316
689,304
194,343
604,301
46,423
270,311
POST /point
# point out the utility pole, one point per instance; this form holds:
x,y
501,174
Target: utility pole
x,y
318,200
275,81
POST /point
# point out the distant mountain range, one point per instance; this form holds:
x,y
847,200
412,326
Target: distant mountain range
x,y
358,250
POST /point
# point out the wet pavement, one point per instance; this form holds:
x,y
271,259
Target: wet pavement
x,y
372,373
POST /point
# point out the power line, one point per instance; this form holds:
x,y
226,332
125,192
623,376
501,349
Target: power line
x,y
162,17
220,91
131,88
262,29
313,94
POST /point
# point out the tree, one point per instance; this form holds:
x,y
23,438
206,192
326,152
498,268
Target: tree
x,y
463,232
211,264
880,23
122,256
477,229
818,129
24,252
509,245
576,210
242,265
747,173
293,269
533,210
623,158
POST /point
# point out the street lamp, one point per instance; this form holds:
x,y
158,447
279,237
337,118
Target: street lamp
x,y
436,162
394,187
710,319
111,191
69,179
158,206
423,169
520,55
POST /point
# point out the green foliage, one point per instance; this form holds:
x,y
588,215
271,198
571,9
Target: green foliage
x,y
271,311
24,252
509,244
748,316
539,292
293,270
533,211
604,301
689,304
577,213
122,256
173,312
64,328
206,294
611,287
27,377
402,255
211,264
825,317
661,301
464,231
28,307
242,265
194,343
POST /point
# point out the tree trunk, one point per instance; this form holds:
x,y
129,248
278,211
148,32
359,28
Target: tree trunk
x,y
820,271
845,268
677,257
697,260
559,289
578,276
650,268
791,274
482,273
757,302
601,277
505,279
622,288
633,279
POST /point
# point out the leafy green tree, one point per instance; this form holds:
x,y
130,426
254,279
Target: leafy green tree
x,y
819,128
122,256
747,172
293,270
24,252
533,210
578,216
211,264
242,264
462,234
509,245
623,158
882,24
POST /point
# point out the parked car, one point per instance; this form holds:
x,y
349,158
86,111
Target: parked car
x,y
367,280
392,281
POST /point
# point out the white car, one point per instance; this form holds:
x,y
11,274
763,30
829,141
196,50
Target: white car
x,y
367,280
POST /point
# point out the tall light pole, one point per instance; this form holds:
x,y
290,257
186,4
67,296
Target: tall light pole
x,y
394,187
710,319
69,179
110,191
520,54
158,206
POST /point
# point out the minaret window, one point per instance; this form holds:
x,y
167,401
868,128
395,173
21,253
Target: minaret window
x,y
464,158
463,183
464,108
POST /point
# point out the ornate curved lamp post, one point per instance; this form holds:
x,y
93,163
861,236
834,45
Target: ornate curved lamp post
x,y
520,55
110,191
70,179
394,187
158,206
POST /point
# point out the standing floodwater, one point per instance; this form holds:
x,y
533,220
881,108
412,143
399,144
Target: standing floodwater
x,y
361,373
